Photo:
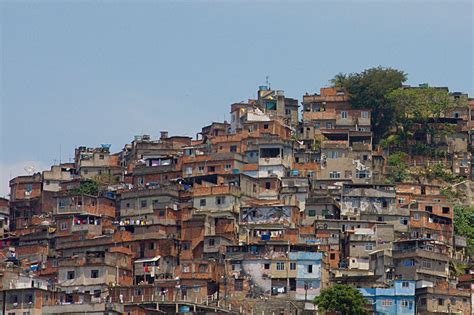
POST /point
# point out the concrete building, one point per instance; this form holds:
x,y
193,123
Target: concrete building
x,y
396,300
421,259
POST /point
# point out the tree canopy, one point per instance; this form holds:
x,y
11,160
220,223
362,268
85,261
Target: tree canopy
x,y
341,298
369,90
464,225
88,187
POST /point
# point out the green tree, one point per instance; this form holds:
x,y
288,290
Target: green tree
x,y
424,106
88,187
464,225
341,298
368,90
339,80
397,167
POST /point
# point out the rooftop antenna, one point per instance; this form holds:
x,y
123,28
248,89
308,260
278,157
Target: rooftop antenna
x,y
267,82
29,169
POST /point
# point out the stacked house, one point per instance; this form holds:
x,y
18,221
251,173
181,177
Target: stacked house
x,y
260,214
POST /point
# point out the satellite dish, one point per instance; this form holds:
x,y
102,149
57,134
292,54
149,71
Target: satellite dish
x,y
30,169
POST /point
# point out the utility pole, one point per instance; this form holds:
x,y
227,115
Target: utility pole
x,y
305,291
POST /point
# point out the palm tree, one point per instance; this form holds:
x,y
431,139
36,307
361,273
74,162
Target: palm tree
x,y
339,80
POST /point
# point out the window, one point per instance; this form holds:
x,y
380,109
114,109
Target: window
x,y
29,298
445,210
220,200
369,247
317,125
202,268
416,216
268,185
332,256
333,155
292,266
62,204
186,268
143,203
387,302
201,169
344,115
63,226
188,170
211,168
280,266
426,264
238,284
228,167
265,126
362,174
440,301
212,242
334,175
27,313
186,245
310,268
423,301
202,202
70,275
329,125
97,293
311,213
401,201
404,221
161,213
233,148
101,157
364,114
429,208
405,284
151,246
266,266
94,274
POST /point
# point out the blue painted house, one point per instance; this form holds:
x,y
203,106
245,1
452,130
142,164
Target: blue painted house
x,y
397,300
308,274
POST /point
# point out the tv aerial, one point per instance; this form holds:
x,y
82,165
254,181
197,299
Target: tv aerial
x,y
30,169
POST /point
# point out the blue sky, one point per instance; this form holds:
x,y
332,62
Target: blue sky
x,y
89,72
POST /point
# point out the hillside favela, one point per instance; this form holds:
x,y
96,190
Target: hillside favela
x,y
354,198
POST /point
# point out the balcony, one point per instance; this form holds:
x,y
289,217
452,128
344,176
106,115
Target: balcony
x,y
216,190
270,161
83,308
412,252
334,144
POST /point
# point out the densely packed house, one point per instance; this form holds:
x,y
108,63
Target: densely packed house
x,y
258,214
